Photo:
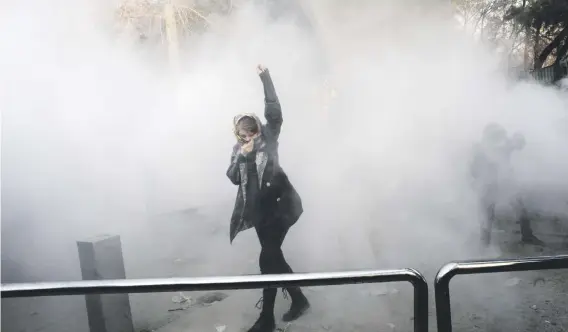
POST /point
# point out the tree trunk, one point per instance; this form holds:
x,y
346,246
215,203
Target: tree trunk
x,y
555,43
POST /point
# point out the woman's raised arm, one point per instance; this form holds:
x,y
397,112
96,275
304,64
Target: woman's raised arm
x,y
272,109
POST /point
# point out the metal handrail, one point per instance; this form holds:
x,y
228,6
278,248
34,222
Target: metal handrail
x,y
448,271
225,283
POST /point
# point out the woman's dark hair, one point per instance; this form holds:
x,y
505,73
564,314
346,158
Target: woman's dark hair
x,y
249,124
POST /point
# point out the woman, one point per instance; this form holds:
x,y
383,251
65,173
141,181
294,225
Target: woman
x,y
266,200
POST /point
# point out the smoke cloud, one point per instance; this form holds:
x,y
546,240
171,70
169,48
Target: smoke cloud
x,y
99,137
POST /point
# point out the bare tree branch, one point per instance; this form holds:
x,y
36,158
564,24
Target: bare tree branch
x,y
541,59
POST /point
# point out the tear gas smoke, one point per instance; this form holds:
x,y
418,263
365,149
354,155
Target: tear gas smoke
x,y
96,138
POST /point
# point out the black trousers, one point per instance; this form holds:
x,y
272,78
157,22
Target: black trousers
x,y
522,214
271,260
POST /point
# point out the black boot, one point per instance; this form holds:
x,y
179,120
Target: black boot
x,y
531,239
265,323
527,235
299,305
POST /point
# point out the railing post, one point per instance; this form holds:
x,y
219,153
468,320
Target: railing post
x,y
448,271
100,259
442,298
236,282
420,302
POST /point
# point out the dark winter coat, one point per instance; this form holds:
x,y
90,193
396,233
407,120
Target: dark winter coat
x,y
277,201
491,167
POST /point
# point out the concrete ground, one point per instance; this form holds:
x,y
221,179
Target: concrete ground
x,y
528,301
523,301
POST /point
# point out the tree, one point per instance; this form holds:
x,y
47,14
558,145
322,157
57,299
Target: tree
x,y
547,22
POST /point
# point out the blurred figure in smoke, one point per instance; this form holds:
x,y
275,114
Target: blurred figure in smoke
x,y
494,182
266,200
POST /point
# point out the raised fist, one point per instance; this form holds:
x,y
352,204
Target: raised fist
x,y
260,69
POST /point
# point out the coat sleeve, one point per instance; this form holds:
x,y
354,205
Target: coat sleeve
x,y
272,109
233,173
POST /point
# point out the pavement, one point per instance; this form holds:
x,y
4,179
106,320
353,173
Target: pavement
x,y
177,246
349,308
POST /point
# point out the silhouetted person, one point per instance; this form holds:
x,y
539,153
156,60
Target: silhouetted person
x,y
493,178
266,200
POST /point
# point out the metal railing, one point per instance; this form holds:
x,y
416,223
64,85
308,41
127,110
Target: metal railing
x,y
448,271
225,283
